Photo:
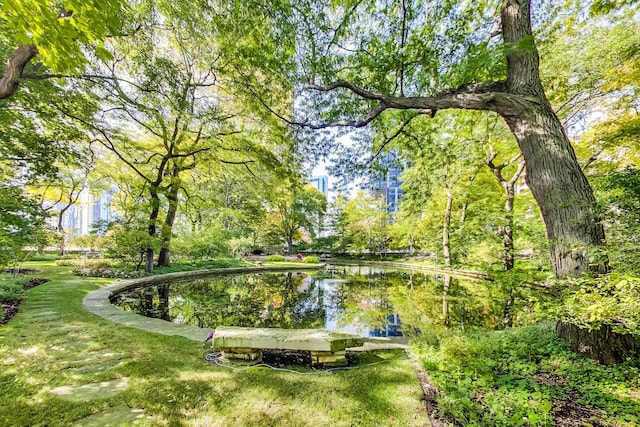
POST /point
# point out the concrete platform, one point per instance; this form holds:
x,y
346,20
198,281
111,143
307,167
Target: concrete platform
x,y
285,339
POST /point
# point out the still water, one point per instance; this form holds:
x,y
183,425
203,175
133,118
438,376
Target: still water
x,y
365,300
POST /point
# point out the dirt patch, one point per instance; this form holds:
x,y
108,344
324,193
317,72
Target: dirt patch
x,y
568,412
34,282
9,310
430,392
11,307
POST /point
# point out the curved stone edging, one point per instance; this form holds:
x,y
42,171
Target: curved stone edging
x,y
470,274
97,302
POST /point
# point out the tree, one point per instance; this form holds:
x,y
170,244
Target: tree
x,y
443,167
292,208
21,218
163,110
428,58
365,220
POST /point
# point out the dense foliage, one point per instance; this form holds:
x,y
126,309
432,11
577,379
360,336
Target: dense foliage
x,y
511,128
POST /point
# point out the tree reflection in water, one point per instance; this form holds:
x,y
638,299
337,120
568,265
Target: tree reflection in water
x,y
367,300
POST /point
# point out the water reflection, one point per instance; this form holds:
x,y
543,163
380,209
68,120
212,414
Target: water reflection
x,y
366,300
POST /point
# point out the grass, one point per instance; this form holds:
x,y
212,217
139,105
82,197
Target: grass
x,y
54,352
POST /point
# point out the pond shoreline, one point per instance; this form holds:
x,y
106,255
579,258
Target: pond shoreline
x,y
469,274
98,301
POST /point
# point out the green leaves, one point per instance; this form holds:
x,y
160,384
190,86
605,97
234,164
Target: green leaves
x,y
610,299
61,33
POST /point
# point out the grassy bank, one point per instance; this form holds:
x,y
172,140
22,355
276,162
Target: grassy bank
x,y
63,366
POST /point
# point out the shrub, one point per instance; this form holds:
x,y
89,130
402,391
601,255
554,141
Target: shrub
x,y
42,257
275,258
311,260
10,288
609,299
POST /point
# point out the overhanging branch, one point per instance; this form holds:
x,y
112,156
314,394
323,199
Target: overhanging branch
x,y
16,62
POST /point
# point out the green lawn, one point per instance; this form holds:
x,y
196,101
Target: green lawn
x,y
61,366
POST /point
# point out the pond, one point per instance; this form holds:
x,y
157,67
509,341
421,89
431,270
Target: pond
x,y
365,300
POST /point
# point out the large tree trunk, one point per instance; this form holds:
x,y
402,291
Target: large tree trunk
x,y
554,176
167,229
153,218
560,188
603,345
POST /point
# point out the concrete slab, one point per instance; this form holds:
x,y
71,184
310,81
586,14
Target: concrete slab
x,y
88,392
383,343
121,415
284,339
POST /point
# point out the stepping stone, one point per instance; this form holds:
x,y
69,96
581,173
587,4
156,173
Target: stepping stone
x,y
94,368
87,392
41,314
113,417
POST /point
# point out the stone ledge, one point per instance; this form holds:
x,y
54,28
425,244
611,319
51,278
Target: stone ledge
x,y
285,339
97,302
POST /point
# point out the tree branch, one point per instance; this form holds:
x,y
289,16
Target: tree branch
x,y
476,96
16,62
393,136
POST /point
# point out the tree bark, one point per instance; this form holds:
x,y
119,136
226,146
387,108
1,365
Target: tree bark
x,y
560,188
16,62
507,232
290,244
153,218
446,246
554,176
167,229
603,345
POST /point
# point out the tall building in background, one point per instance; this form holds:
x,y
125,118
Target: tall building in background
x,y
385,182
320,183
89,209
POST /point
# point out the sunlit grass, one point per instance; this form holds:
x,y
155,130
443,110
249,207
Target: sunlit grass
x,y
54,352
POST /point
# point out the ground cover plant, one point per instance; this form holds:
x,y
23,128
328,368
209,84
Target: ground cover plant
x,y
526,376
61,365
12,287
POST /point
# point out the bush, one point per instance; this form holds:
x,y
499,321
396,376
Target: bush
x,y
609,299
10,288
275,258
311,260
101,268
210,243
42,257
